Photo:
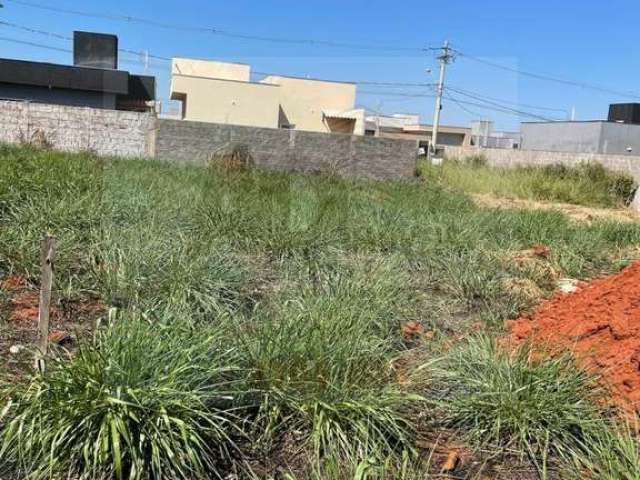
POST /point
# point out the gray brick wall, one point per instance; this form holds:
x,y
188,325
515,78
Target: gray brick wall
x,y
289,149
131,134
507,158
106,132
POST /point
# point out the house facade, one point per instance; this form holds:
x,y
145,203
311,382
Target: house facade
x,y
597,136
221,92
408,126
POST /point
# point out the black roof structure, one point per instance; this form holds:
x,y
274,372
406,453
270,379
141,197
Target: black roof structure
x,y
97,50
52,75
625,113
93,79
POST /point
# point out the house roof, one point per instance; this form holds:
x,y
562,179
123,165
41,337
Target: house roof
x,y
442,129
202,77
305,79
346,115
52,75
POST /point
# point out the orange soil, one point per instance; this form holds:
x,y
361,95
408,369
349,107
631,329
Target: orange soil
x,y
12,283
600,324
24,307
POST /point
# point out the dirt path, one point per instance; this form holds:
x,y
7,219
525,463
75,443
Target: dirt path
x,y
575,212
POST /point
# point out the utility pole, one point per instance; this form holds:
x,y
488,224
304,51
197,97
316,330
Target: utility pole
x,y
445,57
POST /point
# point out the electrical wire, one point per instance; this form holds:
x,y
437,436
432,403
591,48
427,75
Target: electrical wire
x,y
143,54
70,39
499,105
488,105
497,108
216,31
518,104
68,50
359,82
462,107
33,44
313,42
549,78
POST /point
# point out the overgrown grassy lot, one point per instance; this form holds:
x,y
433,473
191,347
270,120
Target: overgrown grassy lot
x,y
587,184
256,324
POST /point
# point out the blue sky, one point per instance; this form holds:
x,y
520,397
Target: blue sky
x,y
586,41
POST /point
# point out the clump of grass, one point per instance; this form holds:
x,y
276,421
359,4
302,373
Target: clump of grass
x,y
588,184
476,161
618,187
144,402
404,468
510,400
611,454
322,360
43,191
153,270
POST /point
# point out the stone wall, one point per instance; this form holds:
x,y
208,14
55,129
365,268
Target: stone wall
x,y
509,158
349,155
105,132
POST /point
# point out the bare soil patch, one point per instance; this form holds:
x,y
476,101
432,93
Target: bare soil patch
x,y
574,212
70,319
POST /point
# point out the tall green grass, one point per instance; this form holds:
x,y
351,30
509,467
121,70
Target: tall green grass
x,y
543,408
143,401
41,192
404,468
587,184
612,454
322,359
266,303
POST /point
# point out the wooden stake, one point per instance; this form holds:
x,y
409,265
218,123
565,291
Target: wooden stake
x,y
46,282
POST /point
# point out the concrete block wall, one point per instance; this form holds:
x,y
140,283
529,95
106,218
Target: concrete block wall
x,y
349,155
508,158
132,134
105,132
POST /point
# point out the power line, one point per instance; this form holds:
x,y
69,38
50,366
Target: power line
x,y
214,30
311,42
496,108
518,104
60,49
142,54
489,105
396,94
496,104
70,39
359,82
33,44
462,107
549,78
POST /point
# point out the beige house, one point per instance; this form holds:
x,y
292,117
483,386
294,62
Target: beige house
x,y
408,126
221,92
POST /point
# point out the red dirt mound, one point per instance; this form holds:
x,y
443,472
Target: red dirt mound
x,y
600,324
